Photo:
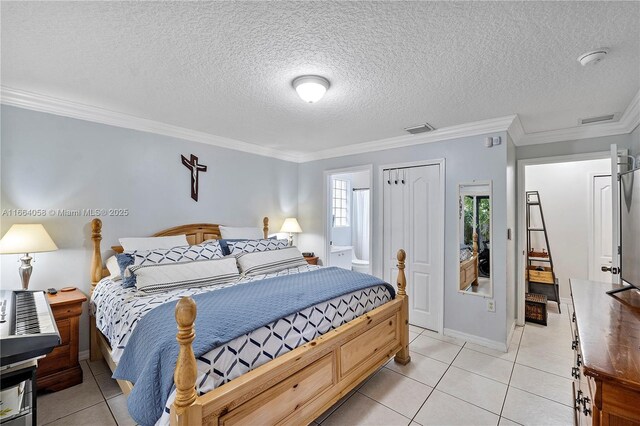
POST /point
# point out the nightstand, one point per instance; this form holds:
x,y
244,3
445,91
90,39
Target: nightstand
x,y
311,260
60,369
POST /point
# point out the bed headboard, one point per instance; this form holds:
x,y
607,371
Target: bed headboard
x,y
195,232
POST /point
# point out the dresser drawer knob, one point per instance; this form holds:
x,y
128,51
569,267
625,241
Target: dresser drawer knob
x,y
586,410
573,317
579,400
574,344
575,372
579,360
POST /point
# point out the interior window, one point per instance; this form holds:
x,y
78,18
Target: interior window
x,y
340,204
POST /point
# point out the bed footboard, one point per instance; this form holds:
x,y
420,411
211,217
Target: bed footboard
x,y
297,387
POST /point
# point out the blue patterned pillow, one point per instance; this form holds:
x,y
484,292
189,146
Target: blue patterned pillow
x,y
124,261
204,251
250,246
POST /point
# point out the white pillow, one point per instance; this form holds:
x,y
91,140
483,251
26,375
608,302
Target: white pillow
x,y
152,243
167,276
266,262
234,233
114,268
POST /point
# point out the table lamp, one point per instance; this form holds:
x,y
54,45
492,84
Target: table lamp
x,y
291,225
26,238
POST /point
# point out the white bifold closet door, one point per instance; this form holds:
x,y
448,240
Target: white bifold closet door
x,y
412,220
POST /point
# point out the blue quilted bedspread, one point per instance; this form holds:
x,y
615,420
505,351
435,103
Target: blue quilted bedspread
x,y
223,315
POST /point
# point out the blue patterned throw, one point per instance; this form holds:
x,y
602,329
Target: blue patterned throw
x,y
150,356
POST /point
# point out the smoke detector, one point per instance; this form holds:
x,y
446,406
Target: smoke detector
x,y
422,128
593,57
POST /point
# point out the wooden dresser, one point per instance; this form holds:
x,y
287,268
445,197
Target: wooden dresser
x,y
60,369
606,333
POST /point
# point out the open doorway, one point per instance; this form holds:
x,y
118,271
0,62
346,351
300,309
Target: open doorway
x,y
569,232
348,218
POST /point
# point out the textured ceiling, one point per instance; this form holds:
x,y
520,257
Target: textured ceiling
x,y
226,68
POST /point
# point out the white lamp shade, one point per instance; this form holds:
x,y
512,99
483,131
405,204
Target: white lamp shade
x,y
291,225
26,238
311,88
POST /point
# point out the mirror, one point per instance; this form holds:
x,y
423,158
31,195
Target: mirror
x,y
474,238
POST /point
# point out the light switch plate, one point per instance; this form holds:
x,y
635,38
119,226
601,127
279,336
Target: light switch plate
x,y
491,305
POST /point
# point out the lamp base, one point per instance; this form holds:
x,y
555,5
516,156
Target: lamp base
x,y
25,270
290,239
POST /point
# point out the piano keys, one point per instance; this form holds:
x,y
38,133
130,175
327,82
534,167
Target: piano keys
x,y
27,327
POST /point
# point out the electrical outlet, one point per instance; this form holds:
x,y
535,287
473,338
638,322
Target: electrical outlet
x,y
491,305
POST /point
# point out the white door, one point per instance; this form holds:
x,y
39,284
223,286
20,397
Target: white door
x,y
413,221
395,225
602,228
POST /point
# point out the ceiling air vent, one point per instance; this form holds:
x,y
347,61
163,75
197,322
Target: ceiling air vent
x,y
599,119
426,127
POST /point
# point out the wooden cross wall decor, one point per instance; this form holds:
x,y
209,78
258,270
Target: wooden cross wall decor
x,y
192,164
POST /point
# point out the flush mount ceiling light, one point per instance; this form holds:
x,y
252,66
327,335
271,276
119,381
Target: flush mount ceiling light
x,y
311,88
593,57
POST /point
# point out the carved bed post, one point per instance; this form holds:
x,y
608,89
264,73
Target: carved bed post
x,y
265,227
96,275
186,371
403,357
475,256
96,257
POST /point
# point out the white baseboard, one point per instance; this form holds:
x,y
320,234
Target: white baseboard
x,y
82,355
482,341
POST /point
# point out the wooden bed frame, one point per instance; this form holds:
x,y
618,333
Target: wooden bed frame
x,y
469,267
294,388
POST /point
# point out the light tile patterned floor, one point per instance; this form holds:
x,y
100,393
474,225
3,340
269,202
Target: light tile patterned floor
x,y
448,382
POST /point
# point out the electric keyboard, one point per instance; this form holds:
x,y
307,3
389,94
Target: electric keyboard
x,y
27,326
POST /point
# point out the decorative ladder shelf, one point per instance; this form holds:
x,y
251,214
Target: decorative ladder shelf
x,y
540,277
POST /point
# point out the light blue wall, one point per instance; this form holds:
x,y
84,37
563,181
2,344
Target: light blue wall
x,y
466,159
52,162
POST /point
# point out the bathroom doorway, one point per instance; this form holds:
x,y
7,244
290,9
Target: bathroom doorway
x,y
348,218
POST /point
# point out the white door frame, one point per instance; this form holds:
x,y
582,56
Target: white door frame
x,y
521,231
380,207
327,203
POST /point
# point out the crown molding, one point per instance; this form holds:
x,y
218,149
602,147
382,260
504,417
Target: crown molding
x,y
51,105
515,130
453,132
627,124
511,124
